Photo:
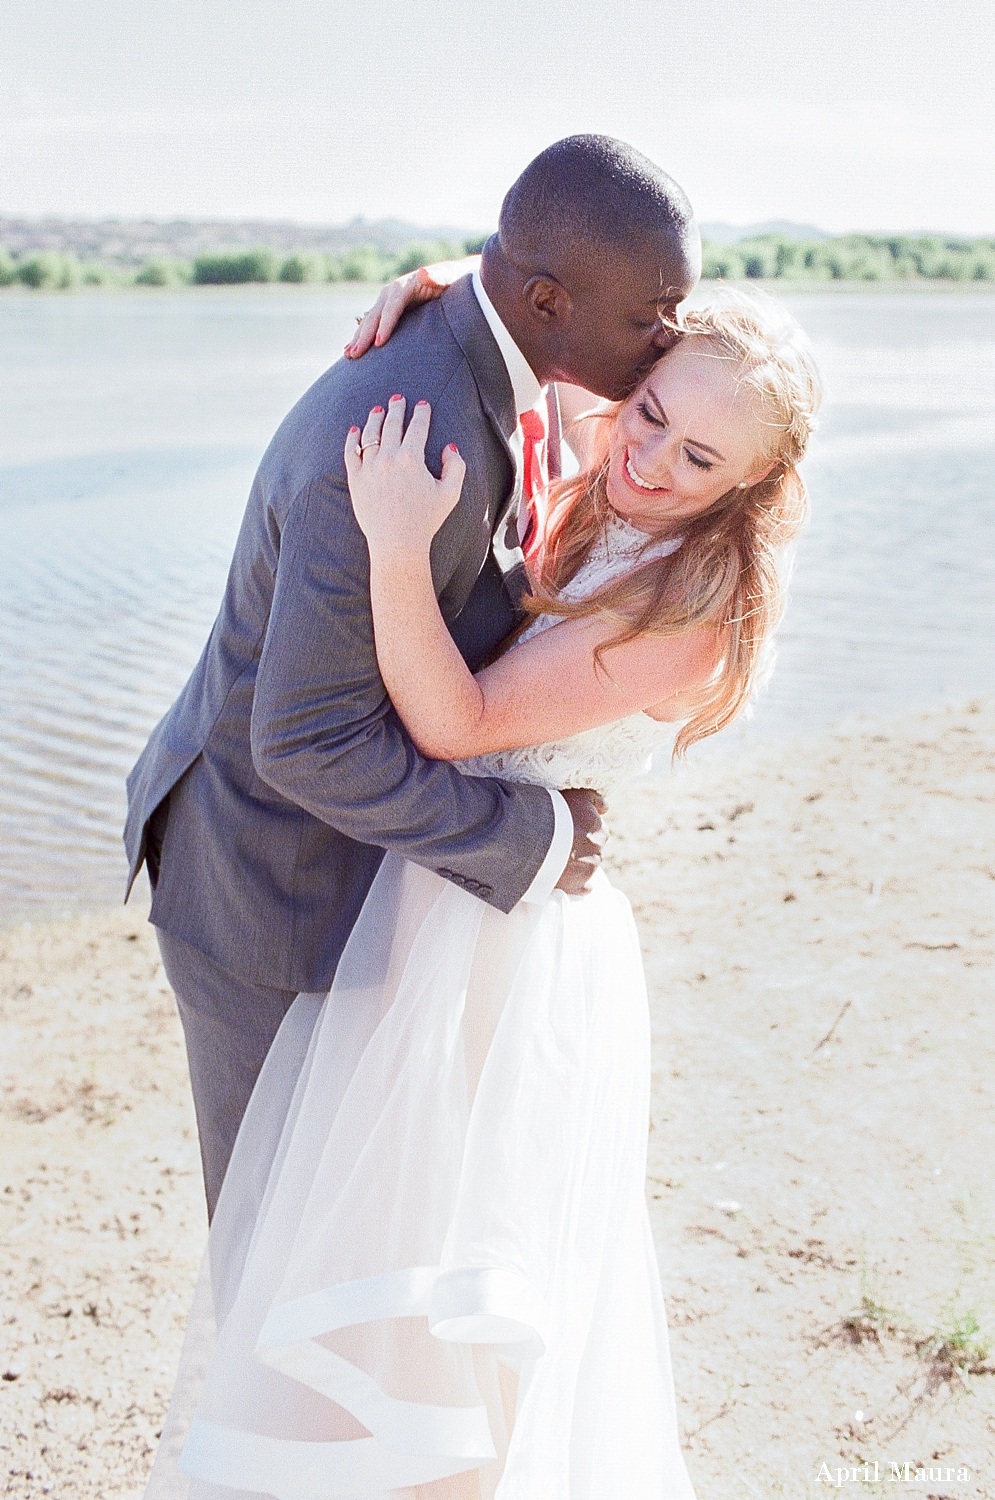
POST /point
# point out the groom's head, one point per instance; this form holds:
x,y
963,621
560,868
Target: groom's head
x,y
595,248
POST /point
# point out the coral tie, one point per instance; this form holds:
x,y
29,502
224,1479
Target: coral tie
x,y
535,474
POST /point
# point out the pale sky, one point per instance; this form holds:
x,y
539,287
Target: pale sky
x,y
851,115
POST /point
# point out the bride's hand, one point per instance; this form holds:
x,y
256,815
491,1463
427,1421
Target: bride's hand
x,y
423,285
397,501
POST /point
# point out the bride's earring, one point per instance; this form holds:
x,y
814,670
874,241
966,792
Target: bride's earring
x,y
742,485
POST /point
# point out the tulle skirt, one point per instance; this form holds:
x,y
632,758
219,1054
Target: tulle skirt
x,y
430,1274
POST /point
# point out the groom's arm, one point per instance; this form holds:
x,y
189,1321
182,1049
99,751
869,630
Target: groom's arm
x,y
325,735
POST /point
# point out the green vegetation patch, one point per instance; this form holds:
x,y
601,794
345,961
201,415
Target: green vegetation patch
x,y
234,268
767,257
851,257
48,270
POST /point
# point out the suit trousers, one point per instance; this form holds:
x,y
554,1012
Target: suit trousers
x,y
228,1026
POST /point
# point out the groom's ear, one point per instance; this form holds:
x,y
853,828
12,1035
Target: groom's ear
x,y
547,299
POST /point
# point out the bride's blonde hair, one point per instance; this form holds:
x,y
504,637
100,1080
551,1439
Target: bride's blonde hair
x,y
729,573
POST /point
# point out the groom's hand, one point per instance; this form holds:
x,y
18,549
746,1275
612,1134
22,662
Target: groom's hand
x,y
587,809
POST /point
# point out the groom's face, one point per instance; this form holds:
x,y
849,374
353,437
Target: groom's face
x,y
617,326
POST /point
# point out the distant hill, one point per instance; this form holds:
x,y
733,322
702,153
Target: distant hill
x,y
127,242
731,234
131,243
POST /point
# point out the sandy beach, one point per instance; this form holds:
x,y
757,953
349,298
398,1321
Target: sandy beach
x,y
819,931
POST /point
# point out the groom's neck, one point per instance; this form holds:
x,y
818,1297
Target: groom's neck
x,y
504,284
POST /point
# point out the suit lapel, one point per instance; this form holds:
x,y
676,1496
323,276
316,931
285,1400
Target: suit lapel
x,y
490,374
469,328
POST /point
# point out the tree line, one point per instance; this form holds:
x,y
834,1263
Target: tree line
x,y
769,257
53,270
852,257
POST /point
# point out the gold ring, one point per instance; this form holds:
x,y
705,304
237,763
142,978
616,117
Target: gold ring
x,y
364,446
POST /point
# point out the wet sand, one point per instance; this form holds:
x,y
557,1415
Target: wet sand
x,y
819,929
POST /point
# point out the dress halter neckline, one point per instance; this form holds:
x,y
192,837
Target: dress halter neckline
x,y
622,539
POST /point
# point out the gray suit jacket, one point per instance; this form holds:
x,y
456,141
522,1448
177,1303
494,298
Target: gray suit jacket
x,y
286,771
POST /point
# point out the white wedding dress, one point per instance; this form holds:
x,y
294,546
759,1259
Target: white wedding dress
x,y
431,1274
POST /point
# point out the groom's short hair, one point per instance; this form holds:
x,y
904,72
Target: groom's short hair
x,y
589,189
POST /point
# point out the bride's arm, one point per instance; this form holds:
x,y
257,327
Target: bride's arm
x,y
542,689
424,285
579,410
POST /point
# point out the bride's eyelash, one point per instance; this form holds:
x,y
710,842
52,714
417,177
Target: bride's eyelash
x,y
644,411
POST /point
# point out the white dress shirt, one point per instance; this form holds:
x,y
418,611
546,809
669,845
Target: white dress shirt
x,y
528,392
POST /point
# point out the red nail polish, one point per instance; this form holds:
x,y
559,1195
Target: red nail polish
x,y
352,430
397,398
376,409
454,449
421,403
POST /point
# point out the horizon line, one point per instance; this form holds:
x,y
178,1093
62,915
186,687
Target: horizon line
x,y
464,232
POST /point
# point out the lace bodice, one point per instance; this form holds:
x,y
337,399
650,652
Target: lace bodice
x,y
599,758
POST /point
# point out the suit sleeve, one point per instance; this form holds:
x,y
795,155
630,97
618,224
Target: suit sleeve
x,y
325,735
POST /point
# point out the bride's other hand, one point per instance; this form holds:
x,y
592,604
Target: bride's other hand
x,y
423,285
397,501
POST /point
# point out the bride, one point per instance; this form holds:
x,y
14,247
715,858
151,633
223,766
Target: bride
x,y
430,1274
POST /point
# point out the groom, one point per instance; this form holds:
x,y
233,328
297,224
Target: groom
x,y
265,798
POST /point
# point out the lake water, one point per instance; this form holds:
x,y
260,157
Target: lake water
x,y
131,426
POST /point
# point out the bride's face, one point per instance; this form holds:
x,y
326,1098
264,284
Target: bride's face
x,y
685,436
